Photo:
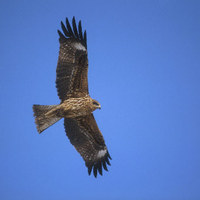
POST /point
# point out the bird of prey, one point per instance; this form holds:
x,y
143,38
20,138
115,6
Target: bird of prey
x,y
76,106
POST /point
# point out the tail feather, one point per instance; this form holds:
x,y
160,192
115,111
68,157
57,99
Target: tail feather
x,y
42,120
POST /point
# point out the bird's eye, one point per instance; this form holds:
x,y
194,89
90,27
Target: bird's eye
x,y
95,103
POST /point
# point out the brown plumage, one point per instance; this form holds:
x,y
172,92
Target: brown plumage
x,y
76,105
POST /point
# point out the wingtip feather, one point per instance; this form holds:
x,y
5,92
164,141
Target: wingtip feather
x,y
99,166
80,30
64,30
62,38
95,171
104,165
69,29
85,38
89,170
109,156
107,161
75,27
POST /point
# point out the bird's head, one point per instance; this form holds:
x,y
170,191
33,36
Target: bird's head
x,y
96,104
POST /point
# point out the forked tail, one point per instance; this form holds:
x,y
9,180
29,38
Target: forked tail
x,y
44,118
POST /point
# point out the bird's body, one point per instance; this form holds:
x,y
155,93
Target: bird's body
x,y
76,106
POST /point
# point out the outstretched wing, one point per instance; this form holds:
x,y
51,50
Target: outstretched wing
x,y
72,67
86,137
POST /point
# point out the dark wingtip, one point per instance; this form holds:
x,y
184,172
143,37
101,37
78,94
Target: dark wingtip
x,y
74,27
62,37
104,165
85,38
107,160
95,171
64,30
98,166
109,156
69,29
73,31
89,170
80,30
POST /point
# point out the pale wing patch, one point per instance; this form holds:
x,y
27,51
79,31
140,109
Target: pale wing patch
x,y
79,46
101,153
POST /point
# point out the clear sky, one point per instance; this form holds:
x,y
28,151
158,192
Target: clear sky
x,y
144,69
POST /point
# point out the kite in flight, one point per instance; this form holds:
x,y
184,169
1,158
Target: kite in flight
x,y
76,105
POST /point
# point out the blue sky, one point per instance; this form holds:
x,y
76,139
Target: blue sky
x,y
144,69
